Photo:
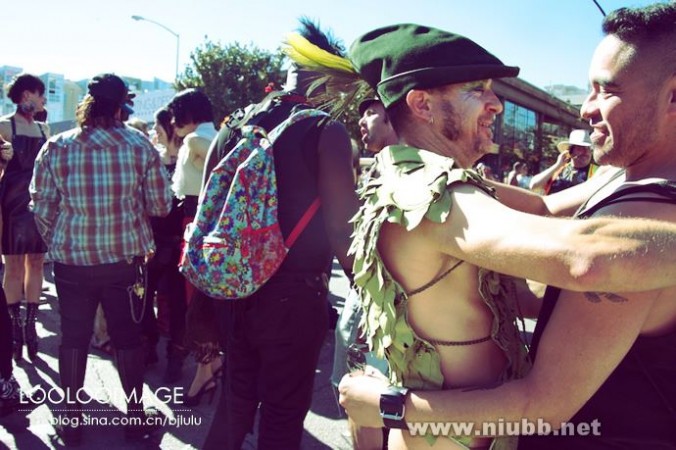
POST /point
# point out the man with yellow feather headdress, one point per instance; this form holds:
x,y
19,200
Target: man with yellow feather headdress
x,y
274,337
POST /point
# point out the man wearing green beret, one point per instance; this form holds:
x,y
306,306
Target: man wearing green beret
x,y
432,245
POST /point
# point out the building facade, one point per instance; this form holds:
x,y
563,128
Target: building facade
x,y
529,128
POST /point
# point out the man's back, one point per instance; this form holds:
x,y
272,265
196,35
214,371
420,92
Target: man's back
x,y
452,324
107,182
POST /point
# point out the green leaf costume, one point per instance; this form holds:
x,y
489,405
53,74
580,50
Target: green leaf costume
x,y
416,184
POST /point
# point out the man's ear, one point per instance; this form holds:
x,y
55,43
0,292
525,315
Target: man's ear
x,y
419,103
671,90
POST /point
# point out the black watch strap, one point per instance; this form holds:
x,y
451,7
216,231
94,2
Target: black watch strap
x,y
392,407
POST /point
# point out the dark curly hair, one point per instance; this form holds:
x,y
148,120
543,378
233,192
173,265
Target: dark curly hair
x,y
22,83
191,106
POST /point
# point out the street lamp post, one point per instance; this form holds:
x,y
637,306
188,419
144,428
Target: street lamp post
x,y
170,31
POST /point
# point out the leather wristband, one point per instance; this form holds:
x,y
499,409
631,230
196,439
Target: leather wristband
x,y
393,408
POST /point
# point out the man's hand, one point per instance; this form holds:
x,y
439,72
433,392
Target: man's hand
x,y
6,151
360,396
562,159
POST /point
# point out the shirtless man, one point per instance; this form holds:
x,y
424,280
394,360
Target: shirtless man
x,y
607,356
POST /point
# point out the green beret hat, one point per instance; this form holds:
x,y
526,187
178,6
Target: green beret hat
x,y
398,58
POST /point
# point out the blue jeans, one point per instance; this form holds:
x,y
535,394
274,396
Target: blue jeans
x,y
81,288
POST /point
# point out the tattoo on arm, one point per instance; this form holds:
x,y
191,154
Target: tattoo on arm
x,y
597,297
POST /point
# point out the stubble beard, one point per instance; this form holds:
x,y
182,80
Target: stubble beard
x,y
451,131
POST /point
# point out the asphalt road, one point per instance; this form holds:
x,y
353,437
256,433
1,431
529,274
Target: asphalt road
x,y
31,428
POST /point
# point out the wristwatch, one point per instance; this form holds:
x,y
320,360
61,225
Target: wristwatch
x,y
392,407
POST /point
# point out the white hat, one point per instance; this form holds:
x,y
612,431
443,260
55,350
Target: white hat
x,y
577,137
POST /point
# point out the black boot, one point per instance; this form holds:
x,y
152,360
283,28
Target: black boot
x,y
72,367
130,367
17,330
29,330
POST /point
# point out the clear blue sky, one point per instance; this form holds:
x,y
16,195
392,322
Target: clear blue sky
x,y
551,40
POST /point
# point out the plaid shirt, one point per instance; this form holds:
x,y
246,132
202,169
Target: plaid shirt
x,y
93,191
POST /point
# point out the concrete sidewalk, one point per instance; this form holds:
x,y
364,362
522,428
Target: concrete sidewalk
x,y
31,428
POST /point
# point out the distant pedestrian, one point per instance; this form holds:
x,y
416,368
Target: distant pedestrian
x,y
573,166
193,121
350,348
93,190
164,279
275,335
10,392
22,247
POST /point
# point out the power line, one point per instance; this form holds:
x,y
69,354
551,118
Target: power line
x,y
599,7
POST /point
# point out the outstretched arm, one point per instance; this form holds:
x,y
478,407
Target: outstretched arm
x,y
540,180
604,254
582,344
560,204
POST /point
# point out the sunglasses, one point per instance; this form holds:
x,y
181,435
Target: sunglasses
x,y
578,150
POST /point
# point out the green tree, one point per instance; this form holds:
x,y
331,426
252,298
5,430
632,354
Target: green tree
x,y
235,75
232,75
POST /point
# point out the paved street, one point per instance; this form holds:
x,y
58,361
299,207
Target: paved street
x,y
31,428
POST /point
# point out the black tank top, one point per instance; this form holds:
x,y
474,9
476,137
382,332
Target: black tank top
x,y
636,405
297,169
26,149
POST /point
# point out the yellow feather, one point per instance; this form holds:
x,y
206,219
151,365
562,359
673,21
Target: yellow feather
x,y
307,54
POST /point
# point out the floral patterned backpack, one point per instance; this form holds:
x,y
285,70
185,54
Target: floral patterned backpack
x,y
234,244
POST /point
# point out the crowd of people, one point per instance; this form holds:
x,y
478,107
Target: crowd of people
x,y
436,247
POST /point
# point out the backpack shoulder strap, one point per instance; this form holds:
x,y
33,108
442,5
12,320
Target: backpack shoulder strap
x,y
293,119
665,189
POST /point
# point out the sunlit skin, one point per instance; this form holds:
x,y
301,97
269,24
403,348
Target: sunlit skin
x,y
632,110
468,112
375,128
452,310
620,137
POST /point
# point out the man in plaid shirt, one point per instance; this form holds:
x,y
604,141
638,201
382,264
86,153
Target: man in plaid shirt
x,y
93,190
